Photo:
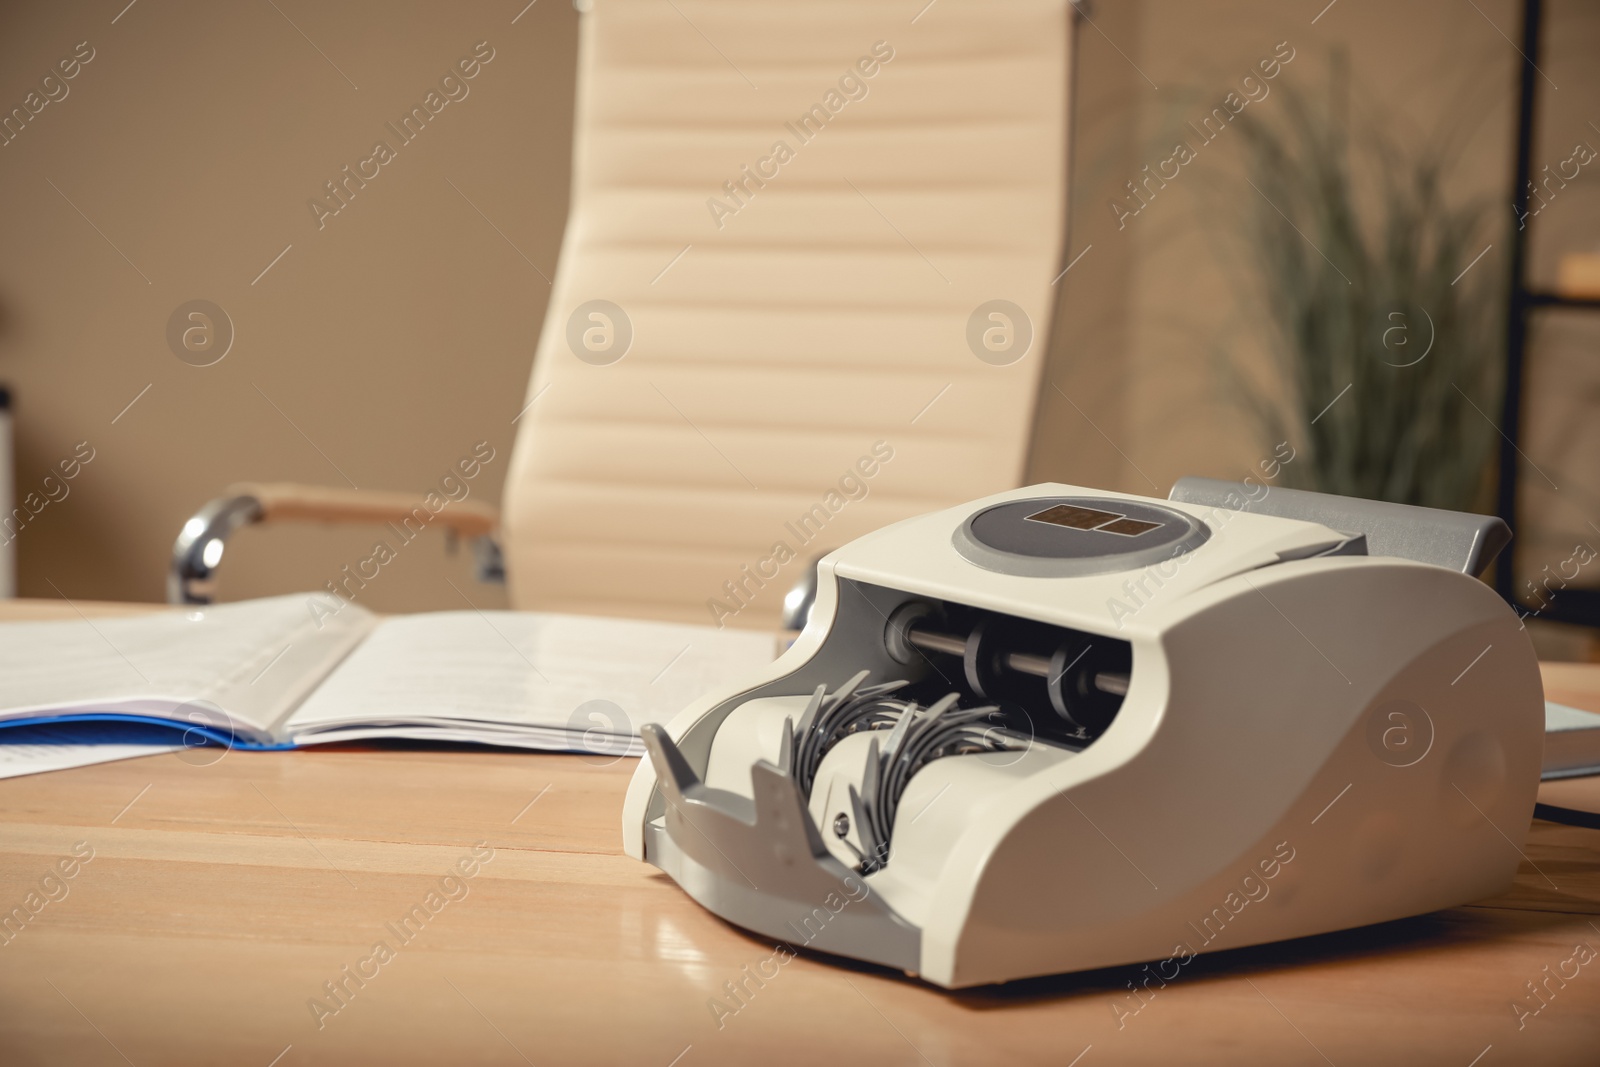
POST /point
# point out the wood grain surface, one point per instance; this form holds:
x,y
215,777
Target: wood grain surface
x,y
226,888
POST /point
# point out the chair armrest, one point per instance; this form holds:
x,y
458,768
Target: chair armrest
x,y
200,544
287,501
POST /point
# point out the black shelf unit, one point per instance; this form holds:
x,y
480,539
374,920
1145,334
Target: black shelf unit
x,y
1574,605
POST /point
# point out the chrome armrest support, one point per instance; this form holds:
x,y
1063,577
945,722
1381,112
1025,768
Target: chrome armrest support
x,y
199,547
490,562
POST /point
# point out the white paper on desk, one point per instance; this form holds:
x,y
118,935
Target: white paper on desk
x,y
253,660
1571,742
35,749
524,678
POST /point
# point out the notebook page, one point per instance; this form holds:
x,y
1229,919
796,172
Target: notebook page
x,y
1571,741
253,659
529,670
34,749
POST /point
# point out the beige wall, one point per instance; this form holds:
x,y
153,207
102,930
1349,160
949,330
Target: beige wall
x,y
392,338
402,331
1155,304
1152,308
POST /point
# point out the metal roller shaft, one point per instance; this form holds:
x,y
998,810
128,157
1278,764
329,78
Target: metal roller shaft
x,y
1021,662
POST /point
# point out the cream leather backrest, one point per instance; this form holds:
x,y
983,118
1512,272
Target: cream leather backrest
x,y
764,334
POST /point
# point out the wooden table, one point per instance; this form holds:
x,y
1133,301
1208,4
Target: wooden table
x,y
221,896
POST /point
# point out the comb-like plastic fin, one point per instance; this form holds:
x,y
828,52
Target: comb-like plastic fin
x,y
671,766
898,734
786,747
808,718
872,846
847,690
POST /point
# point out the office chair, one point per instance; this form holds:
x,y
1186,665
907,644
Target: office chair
x,y
804,292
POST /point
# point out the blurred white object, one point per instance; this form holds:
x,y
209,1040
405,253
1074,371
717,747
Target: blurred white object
x,y
8,551
1571,741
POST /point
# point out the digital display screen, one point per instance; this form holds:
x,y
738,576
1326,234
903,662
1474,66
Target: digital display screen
x,y
1078,518
1130,527
1075,518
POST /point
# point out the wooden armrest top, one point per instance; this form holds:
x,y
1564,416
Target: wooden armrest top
x,y
282,501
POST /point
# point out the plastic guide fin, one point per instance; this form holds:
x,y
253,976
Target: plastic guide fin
x,y
669,762
762,864
898,734
786,747
808,718
864,830
847,690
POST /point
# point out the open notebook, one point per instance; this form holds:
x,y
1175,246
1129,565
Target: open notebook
x,y
266,674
